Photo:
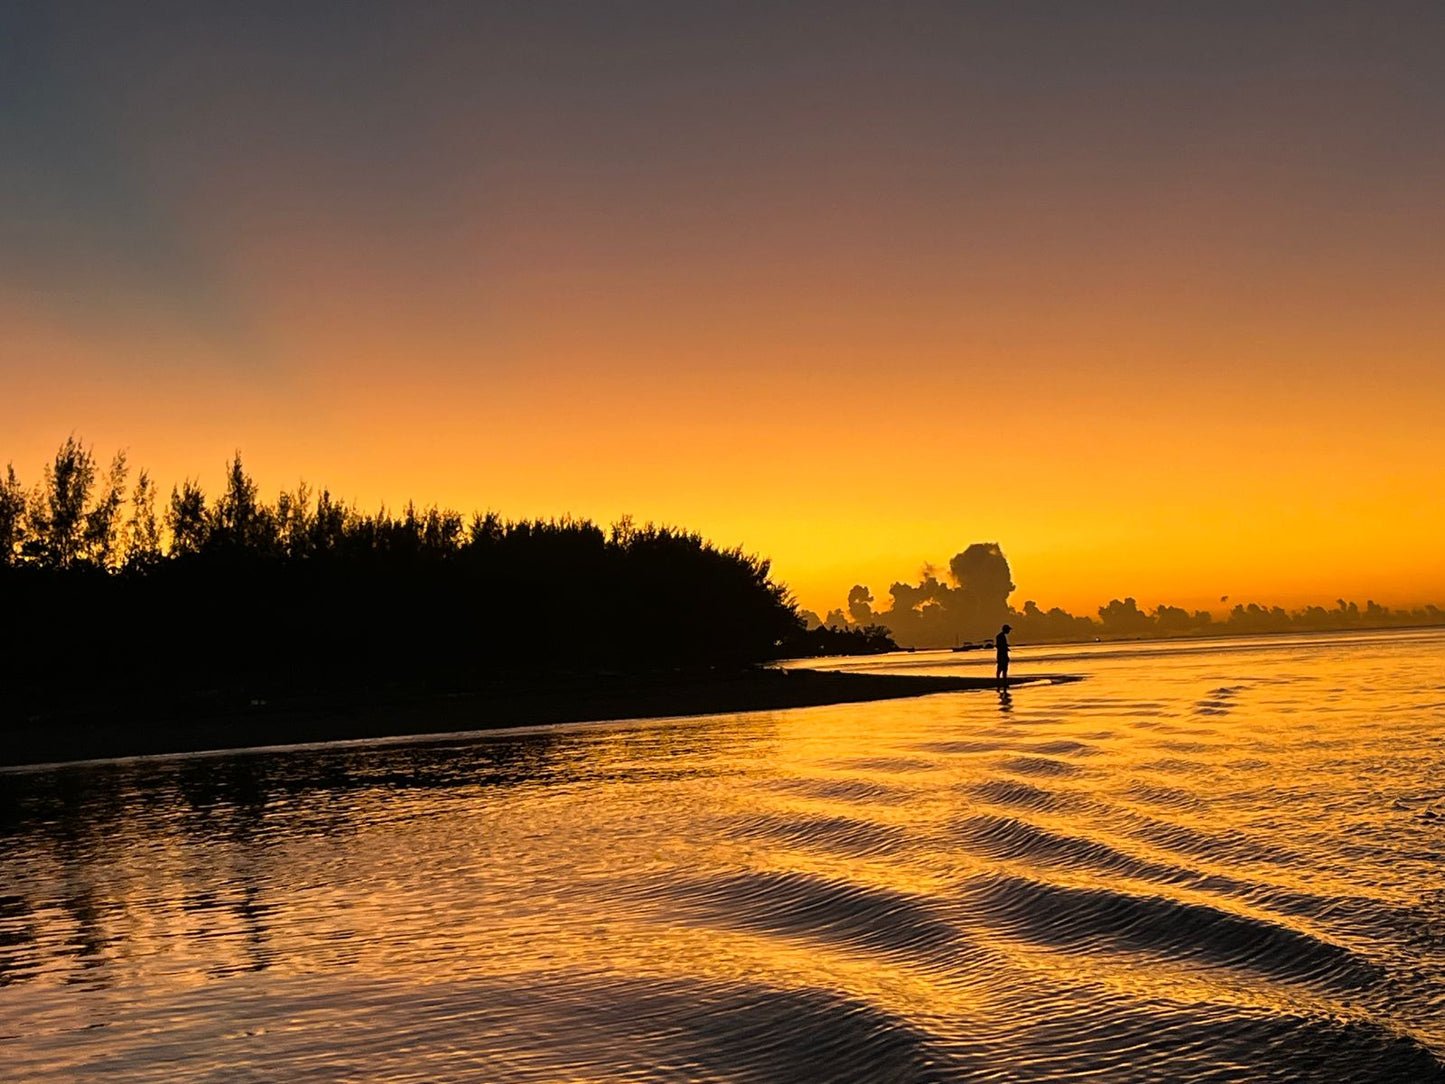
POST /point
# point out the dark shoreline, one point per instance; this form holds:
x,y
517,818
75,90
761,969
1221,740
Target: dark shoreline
x,y
541,701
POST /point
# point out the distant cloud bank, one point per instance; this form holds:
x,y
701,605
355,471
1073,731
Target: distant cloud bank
x,y
972,601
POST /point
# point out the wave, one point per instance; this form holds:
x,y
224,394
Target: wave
x,y
1158,1041
1016,840
1062,747
839,913
1020,795
847,790
1091,919
861,839
1030,765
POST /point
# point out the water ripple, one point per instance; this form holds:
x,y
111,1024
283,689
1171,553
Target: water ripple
x,y
1029,765
1019,795
839,913
1213,864
1086,919
841,834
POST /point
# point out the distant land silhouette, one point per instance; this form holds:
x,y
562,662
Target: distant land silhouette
x,y
123,609
972,603
135,623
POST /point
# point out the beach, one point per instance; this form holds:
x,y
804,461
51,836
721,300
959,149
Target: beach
x,y
150,728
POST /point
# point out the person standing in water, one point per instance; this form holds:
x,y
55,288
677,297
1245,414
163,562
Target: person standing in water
x,y
1001,644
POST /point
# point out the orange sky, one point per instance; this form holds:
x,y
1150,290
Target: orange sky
x,y
1155,304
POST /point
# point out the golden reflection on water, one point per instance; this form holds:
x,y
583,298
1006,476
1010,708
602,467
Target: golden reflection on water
x,y
1205,860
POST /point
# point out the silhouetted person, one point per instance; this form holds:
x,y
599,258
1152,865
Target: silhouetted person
x,y
1001,644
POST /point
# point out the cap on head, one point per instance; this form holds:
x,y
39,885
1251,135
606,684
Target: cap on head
x,y
1008,628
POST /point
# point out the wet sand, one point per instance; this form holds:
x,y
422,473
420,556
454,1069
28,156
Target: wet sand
x,y
538,701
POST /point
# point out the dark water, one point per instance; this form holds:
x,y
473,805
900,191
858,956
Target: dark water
x,y
1220,862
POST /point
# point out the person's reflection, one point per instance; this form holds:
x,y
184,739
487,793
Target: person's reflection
x,y
1005,700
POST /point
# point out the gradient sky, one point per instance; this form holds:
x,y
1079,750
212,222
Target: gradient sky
x,y
1153,294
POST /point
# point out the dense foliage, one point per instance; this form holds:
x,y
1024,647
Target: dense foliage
x,y
105,595
841,640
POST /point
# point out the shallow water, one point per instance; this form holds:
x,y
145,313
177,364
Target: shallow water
x,y
1205,862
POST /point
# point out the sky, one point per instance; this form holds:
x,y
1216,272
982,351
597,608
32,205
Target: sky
x,y
1148,293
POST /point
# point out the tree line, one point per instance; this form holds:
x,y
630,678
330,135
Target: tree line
x,y
111,590
1125,618
970,601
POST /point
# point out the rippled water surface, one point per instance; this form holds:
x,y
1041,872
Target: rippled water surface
x,y
1204,862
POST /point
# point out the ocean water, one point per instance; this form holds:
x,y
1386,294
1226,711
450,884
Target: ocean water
x,y
1218,861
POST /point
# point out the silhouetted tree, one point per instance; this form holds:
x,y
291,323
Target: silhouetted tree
x,y
102,535
142,531
238,521
240,598
186,519
57,509
293,520
12,516
328,526
832,640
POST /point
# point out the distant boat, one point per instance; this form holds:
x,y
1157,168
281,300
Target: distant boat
x,y
969,647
